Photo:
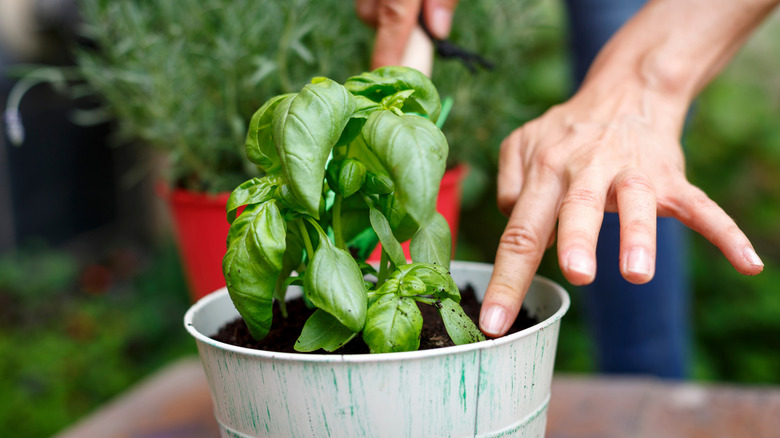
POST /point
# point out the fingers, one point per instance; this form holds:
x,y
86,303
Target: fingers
x,y
366,10
636,202
703,215
510,172
438,16
395,21
519,253
579,222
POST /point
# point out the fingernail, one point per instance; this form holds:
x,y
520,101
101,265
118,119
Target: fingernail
x,y
442,20
578,261
639,261
493,320
752,257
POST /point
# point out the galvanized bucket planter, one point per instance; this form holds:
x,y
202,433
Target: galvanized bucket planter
x,y
493,388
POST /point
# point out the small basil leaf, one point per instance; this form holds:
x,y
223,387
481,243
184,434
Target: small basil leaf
x,y
393,324
334,284
432,243
396,100
364,107
323,331
401,222
352,175
252,263
332,175
389,244
259,144
412,286
460,327
414,152
386,81
389,287
254,191
438,282
305,131
378,184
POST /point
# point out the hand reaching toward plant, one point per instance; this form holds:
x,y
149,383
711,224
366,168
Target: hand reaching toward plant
x,y
395,20
615,147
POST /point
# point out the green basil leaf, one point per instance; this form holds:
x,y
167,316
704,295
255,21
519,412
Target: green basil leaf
x,y
293,256
364,107
254,191
391,246
259,143
414,152
378,184
252,263
360,151
393,324
386,81
460,327
438,282
354,218
334,284
305,131
323,331
332,175
352,175
432,243
396,100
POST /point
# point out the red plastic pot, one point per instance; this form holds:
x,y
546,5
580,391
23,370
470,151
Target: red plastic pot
x,y
448,204
201,232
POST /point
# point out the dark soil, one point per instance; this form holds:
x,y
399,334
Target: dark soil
x,y
285,331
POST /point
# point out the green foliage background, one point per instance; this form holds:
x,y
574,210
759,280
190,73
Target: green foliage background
x,y
66,351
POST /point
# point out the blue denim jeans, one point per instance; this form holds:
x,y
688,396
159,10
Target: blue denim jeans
x,y
638,329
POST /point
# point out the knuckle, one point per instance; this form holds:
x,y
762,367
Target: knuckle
x,y
520,240
701,201
638,227
635,183
393,11
582,197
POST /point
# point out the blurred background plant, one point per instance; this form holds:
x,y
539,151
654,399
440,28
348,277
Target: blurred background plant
x,y
186,76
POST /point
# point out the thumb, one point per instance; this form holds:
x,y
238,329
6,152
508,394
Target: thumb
x,y
395,21
438,16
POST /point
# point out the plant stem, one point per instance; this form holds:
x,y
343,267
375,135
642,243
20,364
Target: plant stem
x,y
306,239
382,276
337,234
317,226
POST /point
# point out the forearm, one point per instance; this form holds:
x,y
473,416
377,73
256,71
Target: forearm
x,y
673,48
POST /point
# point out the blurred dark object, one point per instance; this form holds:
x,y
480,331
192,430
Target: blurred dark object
x,y
61,183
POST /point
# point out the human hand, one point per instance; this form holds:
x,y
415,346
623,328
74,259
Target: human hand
x,y
395,20
611,150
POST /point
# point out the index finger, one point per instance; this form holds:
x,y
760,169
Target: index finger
x,y
519,253
395,21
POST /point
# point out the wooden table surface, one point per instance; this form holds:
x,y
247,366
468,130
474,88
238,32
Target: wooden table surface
x,y
175,403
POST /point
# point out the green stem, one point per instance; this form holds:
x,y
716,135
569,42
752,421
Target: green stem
x,y
317,226
337,234
382,276
306,239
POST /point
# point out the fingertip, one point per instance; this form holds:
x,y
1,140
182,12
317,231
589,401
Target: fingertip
x,y
493,320
638,266
579,267
754,264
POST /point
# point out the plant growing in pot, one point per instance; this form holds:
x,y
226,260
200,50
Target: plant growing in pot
x,y
347,166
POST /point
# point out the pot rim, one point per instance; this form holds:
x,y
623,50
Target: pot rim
x,y
383,357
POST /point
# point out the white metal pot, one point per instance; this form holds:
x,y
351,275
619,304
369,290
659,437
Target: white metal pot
x,y
493,388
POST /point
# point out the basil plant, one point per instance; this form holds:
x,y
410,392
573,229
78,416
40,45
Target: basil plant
x,y
345,167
